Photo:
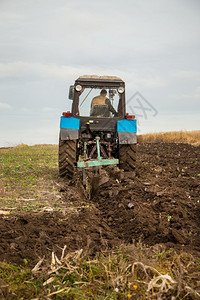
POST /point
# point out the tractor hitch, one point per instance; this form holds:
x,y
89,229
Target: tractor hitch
x,y
86,162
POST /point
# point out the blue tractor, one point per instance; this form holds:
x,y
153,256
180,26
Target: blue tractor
x,y
97,131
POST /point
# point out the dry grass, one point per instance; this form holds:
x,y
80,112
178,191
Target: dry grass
x,y
129,272
188,137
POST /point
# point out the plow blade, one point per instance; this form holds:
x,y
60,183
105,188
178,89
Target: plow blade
x,y
97,163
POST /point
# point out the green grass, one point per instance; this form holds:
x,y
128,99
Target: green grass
x,y
28,173
16,282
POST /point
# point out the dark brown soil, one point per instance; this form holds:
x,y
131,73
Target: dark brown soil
x,y
159,204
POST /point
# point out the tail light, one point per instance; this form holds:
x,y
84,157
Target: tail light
x,y
129,117
67,114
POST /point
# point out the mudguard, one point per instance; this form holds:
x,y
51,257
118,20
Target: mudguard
x,y
127,130
69,128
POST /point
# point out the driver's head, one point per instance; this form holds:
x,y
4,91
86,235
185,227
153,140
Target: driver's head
x,y
103,92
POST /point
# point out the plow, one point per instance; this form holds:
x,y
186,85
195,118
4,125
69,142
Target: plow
x,y
91,170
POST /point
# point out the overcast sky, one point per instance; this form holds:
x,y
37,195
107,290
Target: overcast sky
x,y
153,45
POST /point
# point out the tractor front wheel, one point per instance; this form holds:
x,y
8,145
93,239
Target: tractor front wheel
x,y
127,157
67,157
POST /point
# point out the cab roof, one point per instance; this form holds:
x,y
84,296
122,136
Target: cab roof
x,y
97,78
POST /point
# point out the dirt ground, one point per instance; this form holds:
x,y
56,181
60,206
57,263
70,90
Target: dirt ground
x,y
158,204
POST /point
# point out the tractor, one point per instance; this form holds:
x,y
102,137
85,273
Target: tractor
x,y
97,132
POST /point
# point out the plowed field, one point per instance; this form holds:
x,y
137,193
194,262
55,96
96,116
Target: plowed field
x,y
158,204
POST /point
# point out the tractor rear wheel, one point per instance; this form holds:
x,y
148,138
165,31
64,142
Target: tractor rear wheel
x,y
67,158
127,157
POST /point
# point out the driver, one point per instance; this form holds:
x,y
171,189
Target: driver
x,y
101,100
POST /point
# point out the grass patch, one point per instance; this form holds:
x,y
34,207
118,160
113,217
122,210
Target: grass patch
x,y
129,272
28,173
15,282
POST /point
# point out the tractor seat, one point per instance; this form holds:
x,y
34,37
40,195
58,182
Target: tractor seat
x,y
100,111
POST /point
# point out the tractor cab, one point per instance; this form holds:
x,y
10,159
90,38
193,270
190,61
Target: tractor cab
x,y
88,100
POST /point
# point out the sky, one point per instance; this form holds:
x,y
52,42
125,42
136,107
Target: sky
x,y
153,45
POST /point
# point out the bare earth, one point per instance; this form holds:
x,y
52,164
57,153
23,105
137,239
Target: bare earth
x,y
159,204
